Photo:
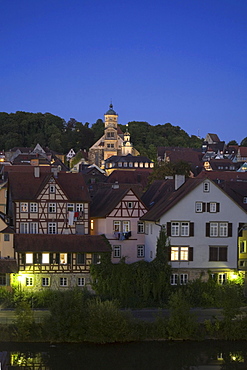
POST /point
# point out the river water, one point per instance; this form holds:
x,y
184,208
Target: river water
x,y
208,355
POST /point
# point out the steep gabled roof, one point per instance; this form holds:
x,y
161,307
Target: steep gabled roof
x,y
170,199
108,197
25,186
61,243
237,190
157,191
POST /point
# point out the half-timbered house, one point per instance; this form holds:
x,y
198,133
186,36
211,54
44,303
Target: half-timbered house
x,y
50,214
115,212
42,202
57,261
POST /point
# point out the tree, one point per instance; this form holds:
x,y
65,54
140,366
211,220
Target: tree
x,y
244,142
232,142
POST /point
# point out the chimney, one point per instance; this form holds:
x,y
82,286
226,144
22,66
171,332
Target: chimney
x,y
36,172
179,181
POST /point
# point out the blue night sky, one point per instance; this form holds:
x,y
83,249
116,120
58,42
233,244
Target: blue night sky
x,y
177,61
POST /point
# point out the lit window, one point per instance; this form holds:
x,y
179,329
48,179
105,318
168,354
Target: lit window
x,y
146,165
140,251
45,281
33,207
52,208
24,207
63,258
184,253
141,164
81,281
29,281
29,258
174,253
45,258
92,224
117,226
126,226
63,281
70,207
116,251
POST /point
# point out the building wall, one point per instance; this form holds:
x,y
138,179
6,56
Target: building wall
x,y
185,211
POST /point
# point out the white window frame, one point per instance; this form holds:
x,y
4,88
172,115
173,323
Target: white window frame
x,y
140,251
185,228
175,226
184,253
198,207
116,249
52,189
126,226
79,207
117,226
212,207
33,207
52,208
174,279
214,229
24,228
70,207
33,229
24,207
52,228
245,200
130,204
140,227
222,278
183,279
80,281
63,281
45,281
179,253
29,281
223,229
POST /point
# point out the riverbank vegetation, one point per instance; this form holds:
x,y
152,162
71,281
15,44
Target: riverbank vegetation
x,y
77,316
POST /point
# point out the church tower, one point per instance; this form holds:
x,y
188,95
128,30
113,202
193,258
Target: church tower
x,y
111,142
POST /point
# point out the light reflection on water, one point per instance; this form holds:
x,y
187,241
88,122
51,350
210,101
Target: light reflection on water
x,y
144,355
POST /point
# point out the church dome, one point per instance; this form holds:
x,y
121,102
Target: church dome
x,y
111,111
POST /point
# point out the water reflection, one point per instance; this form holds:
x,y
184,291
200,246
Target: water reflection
x,y
146,355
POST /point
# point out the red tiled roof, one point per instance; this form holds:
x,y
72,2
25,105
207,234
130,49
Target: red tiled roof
x,y
223,175
24,186
61,243
108,197
130,177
